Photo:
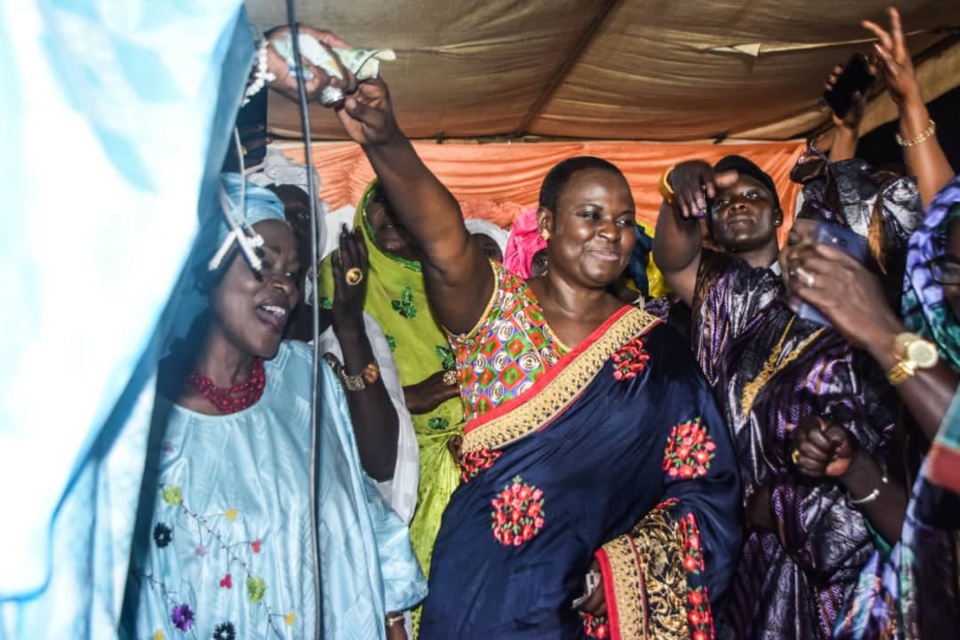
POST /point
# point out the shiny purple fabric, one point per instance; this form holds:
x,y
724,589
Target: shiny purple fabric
x,y
794,583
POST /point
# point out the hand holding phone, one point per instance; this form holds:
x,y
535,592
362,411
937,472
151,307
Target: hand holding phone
x,y
855,79
851,243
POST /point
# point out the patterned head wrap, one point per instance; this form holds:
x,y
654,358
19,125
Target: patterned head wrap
x,y
925,310
259,204
880,206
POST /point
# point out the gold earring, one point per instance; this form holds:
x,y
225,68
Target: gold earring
x,y
545,235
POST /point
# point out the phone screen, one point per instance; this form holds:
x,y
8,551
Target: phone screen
x,y
856,77
851,243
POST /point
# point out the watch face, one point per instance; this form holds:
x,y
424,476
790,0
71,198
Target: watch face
x,y
923,353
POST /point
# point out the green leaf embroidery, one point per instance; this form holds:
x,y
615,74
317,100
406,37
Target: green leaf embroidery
x,y
405,306
391,342
438,422
447,360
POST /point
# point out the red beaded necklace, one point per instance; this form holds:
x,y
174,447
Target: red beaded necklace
x,y
236,398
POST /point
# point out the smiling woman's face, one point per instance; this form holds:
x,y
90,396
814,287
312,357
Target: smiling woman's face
x,y
251,310
591,233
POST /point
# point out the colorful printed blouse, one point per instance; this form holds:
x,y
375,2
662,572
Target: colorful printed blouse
x,y
509,348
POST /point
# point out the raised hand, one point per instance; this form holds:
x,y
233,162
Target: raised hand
x,y
893,60
367,115
822,448
286,80
851,121
349,265
693,182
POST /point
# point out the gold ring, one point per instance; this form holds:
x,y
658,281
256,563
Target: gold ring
x,y
353,276
805,276
795,456
450,378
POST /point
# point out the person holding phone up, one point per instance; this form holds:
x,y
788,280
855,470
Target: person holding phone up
x,y
773,370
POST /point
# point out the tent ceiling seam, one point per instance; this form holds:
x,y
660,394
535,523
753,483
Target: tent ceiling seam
x,y
589,34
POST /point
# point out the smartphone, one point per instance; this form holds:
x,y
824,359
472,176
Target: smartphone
x,y
851,243
854,78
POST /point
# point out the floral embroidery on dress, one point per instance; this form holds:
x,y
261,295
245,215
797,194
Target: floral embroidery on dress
x,y
689,451
211,541
182,617
391,342
472,463
700,618
517,513
629,360
405,306
225,631
162,535
159,635
692,553
698,602
595,626
256,589
172,495
438,423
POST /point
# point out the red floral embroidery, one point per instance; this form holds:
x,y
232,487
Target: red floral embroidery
x,y
689,451
255,545
692,553
595,626
227,582
473,462
517,513
629,360
698,601
698,614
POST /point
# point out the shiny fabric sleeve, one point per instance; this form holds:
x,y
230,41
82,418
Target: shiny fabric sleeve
x,y
728,296
668,576
817,526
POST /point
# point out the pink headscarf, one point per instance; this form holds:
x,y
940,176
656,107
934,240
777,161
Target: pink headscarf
x,y
524,242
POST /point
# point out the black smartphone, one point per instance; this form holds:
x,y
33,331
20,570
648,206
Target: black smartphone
x,y
851,243
854,78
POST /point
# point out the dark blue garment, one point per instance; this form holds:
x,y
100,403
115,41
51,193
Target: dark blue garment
x,y
600,465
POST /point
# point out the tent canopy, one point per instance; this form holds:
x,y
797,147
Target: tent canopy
x,y
657,70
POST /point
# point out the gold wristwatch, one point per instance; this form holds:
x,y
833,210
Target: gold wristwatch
x,y
914,353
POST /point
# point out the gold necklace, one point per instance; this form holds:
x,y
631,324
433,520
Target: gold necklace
x,y
770,367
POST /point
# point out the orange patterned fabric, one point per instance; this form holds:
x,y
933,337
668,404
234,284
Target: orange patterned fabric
x,y
499,181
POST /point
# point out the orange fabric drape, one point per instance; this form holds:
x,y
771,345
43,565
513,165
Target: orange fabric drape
x,y
498,181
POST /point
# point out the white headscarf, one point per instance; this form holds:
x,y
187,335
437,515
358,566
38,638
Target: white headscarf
x,y
487,228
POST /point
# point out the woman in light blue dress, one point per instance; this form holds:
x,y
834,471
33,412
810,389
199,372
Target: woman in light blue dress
x,y
229,532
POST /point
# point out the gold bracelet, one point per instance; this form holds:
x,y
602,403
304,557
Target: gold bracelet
x,y
394,619
666,191
359,382
925,135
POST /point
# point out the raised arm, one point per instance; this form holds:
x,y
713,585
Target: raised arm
x,y
678,241
458,276
921,151
375,421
